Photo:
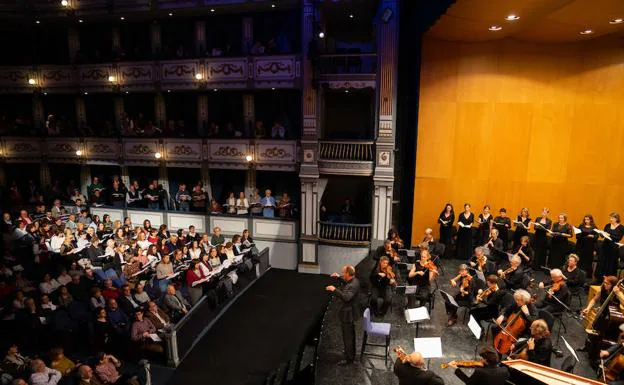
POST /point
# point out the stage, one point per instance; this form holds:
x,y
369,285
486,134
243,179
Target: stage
x,y
260,331
458,343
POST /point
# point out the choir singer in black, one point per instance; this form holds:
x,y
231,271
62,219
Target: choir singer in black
x,y
349,311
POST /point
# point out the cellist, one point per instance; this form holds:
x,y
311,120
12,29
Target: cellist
x,y
614,352
522,312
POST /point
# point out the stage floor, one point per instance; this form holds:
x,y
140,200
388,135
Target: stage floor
x,y
458,343
260,330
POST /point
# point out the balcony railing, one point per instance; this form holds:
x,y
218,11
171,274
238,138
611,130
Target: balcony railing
x,y
346,151
345,233
348,63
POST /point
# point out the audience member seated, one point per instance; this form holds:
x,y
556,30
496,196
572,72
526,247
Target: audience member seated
x,y
175,304
42,375
145,334
58,361
159,318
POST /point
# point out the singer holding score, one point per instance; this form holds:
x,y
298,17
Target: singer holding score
x,y
446,219
609,256
464,234
522,226
540,243
349,311
559,249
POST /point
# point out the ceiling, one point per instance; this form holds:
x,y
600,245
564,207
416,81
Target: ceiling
x,y
543,21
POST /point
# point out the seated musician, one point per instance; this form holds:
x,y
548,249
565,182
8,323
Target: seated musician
x,y
558,293
387,251
609,285
575,277
433,246
479,261
495,246
397,242
410,369
538,348
522,304
613,353
382,279
490,301
525,252
464,297
490,374
514,277
422,274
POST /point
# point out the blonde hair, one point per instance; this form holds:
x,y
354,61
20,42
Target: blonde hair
x,y
541,328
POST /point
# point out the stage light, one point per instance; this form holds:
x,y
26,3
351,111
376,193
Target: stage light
x,y
32,81
346,91
78,153
111,78
122,18
273,88
158,155
619,20
587,32
215,90
351,16
199,76
321,35
512,17
168,90
64,3
86,93
170,14
212,9
249,158
127,92
80,21
272,5
37,22
495,28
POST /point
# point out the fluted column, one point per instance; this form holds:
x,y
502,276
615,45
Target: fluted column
x,y
250,180
247,35
44,173
249,113
38,114
202,115
85,179
387,43
116,39
156,41
119,111
205,179
160,110
200,38
81,111
125,176
163,176
73,42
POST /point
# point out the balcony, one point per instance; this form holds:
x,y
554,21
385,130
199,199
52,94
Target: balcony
x,y
346,157
349,234
278,155
281,71
347,70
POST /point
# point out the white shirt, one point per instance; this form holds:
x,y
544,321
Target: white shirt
x,y
144,244
48,377
241,206
195,253
63,279
55,243
48,305
49,287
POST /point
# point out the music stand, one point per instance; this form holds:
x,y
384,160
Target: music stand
x,y
429,347
476,330
416,315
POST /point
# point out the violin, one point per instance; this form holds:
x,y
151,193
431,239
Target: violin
x,y
612,367
486,293
400,353
464,285
431,266
508,271
464,364
481,260
388,272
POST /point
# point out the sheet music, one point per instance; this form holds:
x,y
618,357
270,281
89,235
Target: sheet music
x,y
576,230
410,289
429,347
416,314
570,349
154,337
474,327
449,298
480,275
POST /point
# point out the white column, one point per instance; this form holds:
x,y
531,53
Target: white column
x,y
247,34
250,180
125,176
155,39
205,178
200,38
85,179
382,213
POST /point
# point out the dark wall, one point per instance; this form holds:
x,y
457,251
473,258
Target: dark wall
x,y
359,190
349,115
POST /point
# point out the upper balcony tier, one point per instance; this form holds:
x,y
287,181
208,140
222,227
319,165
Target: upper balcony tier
x,y
282,71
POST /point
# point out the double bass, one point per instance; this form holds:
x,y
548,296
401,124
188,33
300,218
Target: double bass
x,y
515,326
612,367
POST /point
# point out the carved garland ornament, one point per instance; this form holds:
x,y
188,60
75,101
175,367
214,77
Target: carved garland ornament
x,y
227,69
140,149
64,147
14,76
95,74
228,151
183,150
179,70
56,75
275,152
23,147
102,149
274,68
137,73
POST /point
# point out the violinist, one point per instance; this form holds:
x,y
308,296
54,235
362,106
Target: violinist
x,y
491,373
410,369
387,251
513,277
495,246
557,293
522,305
382,279
395,240
539,347
502,223
422,274
490,301
480,262
601,322
525,252
464,297
608,285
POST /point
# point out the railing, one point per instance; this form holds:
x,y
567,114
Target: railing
x,y
351,151
347,63
183,336
344,233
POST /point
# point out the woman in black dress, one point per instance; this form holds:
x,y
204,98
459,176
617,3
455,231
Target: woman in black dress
x,y
540,243
502,223
464,234
559,248
609,255
446,219
485,225
522,226
586,244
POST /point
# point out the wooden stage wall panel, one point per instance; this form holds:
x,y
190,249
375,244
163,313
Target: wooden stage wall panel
x,y
516,125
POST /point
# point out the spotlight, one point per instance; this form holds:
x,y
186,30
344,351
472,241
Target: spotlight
x,y
45,93
212,10
32,81
170,14
619,20
512,17
273,88
272,5
587,32
321,35
158,155
495,28
215,90
80,21
127,92
249,158
86,93
351,16
168,90
78,153
37,22
111,78
199,76
122,18
64,3
346,91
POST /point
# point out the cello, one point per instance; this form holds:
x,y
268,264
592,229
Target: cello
x,y
515,326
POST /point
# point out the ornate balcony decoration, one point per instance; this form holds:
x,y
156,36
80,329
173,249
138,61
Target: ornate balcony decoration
x,y
348,234
21,150
141,151
270,153
102,151
229,153
181,151
236,73
346,157
62,150
343,71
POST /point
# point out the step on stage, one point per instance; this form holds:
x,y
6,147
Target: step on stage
x,y
260,332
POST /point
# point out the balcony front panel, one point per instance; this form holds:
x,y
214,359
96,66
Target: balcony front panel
x,y
94,77
276,152
181,152
137,73
141,151
229,154
58,76
15,79
102,151
62,150
272,71
232,72
18,150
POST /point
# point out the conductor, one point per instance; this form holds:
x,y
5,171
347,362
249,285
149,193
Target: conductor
x,y
349,310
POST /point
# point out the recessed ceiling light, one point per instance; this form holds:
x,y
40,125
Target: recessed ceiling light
x,y
495,28
86,93
272,5
211,9
122,18
215,90
37,22
168,90
170,14
273,88
64,3
80,21
127,92
512,17
619,20
351,16
587,32
321,35
346,91
45,93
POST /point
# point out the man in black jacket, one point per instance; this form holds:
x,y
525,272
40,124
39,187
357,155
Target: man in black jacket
x,y
411,370
490,374
349,309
